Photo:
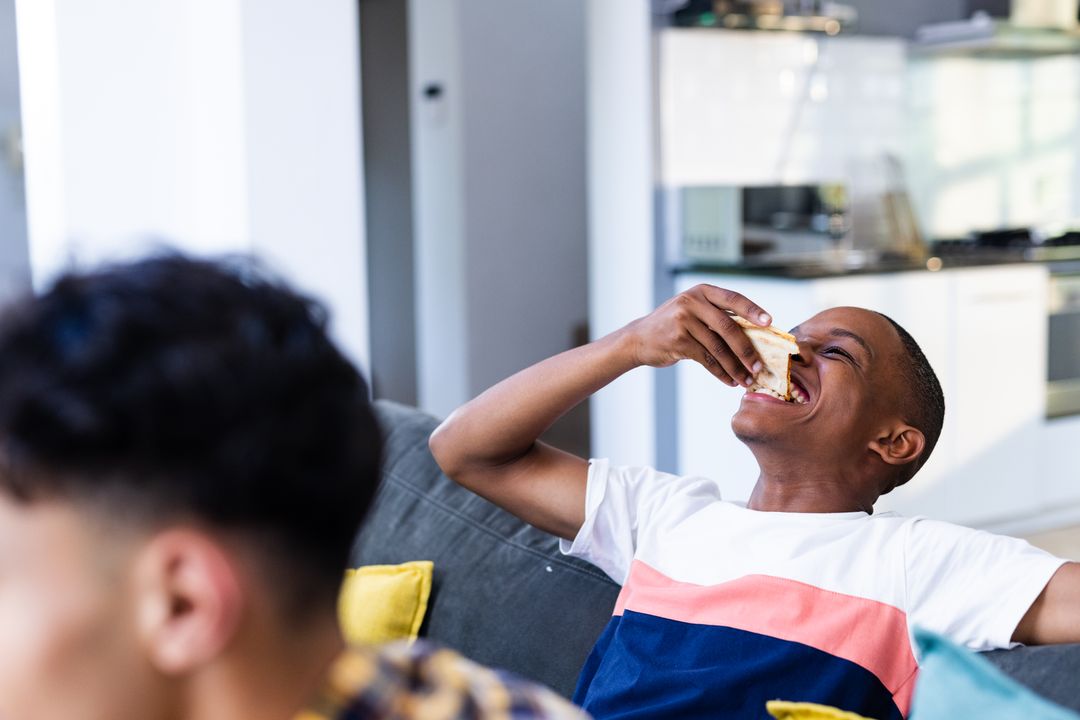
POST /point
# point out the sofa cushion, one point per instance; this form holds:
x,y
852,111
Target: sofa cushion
x,y
503,595
957,683
1052,671
785,710
384,603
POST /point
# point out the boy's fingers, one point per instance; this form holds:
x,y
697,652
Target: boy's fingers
x,y
719,351
706,359
737,340
736,303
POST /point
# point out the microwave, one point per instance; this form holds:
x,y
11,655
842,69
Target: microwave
x,y
755,225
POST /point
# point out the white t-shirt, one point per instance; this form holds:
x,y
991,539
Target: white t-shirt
x,y
723,607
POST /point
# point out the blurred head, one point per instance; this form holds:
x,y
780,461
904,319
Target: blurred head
x,y
185,457
875,406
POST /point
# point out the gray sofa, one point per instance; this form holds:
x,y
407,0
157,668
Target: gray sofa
x,y
504,596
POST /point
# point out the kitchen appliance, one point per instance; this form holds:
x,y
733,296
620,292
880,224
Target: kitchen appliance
x,y
1063,345
703,225
763,225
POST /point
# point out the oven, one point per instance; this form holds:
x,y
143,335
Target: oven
x,y
1063,342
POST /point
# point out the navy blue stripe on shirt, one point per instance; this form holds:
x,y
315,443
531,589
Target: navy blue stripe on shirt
x,y
650,667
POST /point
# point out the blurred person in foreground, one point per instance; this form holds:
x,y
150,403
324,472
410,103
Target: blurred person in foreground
x,y
185,458
803,592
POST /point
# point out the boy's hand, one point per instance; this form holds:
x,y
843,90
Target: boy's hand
x,y
695,325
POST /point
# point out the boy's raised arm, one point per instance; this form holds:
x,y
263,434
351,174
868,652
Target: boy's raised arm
x,y
490,444
1054,617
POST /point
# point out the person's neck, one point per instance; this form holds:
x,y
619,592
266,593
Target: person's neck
x,y
268,676
785,486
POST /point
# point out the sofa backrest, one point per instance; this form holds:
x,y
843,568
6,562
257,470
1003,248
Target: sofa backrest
x,y
503,594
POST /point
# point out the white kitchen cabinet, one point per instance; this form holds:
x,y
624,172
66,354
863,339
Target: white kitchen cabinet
x,y
983,330
998,392
1061,463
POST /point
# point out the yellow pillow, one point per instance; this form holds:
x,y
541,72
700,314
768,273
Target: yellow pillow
x,y
783,710
381,603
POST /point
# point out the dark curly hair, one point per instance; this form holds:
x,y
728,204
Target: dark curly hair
x,y
174,388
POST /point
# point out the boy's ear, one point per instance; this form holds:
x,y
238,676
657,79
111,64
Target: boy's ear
x,y
188,598
899,445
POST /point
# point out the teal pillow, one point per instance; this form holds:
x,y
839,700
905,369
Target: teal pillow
x,y
956,683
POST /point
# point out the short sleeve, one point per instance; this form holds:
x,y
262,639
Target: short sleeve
x,y
972,586
621,503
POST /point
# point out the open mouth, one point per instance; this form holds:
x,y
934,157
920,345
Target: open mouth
x,y
799,393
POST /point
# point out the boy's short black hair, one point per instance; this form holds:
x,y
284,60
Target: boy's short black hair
x,y
925,402
174,388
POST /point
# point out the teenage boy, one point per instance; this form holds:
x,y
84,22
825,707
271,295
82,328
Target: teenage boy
x,y
801,593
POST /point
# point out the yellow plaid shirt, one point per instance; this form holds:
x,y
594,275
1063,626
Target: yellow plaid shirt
x,y
408,682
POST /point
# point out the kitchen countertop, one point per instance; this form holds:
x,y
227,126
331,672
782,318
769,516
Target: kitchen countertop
x,y
811,270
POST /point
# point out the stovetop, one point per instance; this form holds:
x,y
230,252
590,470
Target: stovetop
x,y
1019,244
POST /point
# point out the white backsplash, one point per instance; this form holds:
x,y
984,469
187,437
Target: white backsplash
x,y
985,143
754,108
994,143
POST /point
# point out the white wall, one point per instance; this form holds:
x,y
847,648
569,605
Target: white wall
x,y
499,189
621,222
134,117
739,108
525,207
304,164
212,125
438,205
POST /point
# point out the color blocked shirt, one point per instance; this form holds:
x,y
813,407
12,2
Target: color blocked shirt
x,y
724,608
419,681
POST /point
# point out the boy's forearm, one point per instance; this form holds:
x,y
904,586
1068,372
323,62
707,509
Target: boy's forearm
x,y
502,424
490,446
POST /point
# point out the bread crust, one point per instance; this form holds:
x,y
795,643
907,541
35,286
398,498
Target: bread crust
x,y
775,348
747,325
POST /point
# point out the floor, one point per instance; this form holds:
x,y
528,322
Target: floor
x,y
1063,543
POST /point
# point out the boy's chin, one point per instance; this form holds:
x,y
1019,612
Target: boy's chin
x,y
753,429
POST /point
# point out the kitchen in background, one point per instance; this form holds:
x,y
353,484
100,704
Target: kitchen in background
x,y
934,177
